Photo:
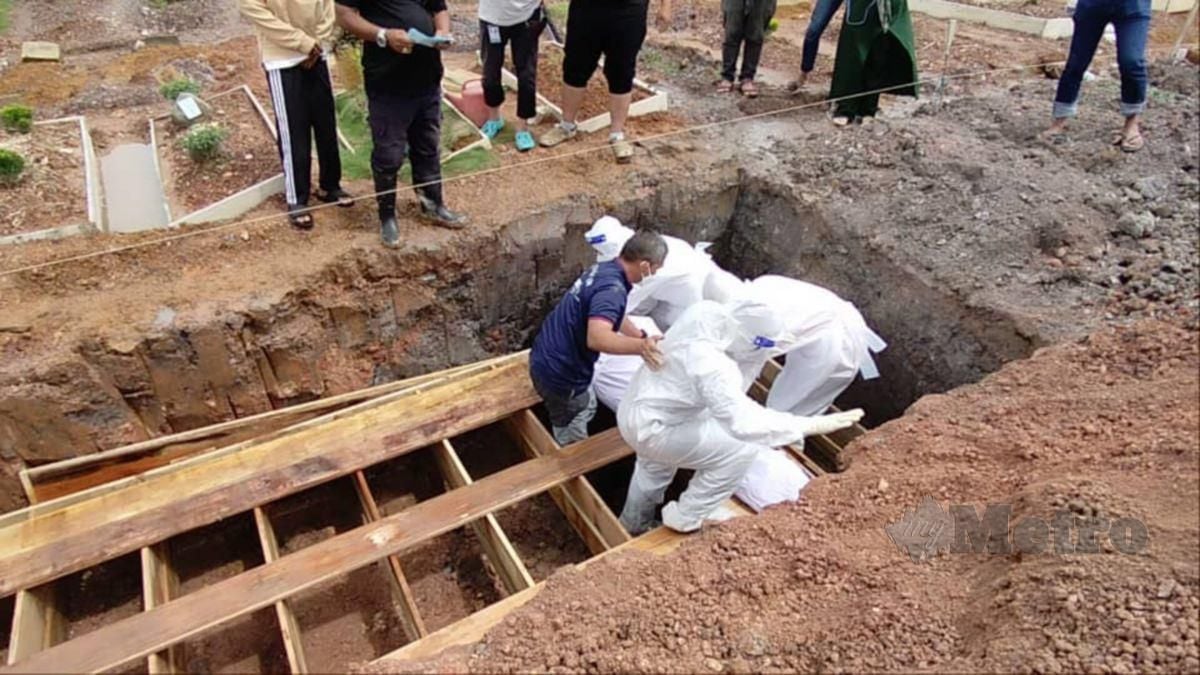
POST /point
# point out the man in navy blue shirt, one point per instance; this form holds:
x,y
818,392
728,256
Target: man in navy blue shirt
x,y
588,320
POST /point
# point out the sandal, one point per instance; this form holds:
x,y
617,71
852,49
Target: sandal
x,y
1132,143
301,220
749,89
841,121
724,87
344,199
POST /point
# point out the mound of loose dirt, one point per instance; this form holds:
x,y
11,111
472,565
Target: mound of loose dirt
x,y
1090,432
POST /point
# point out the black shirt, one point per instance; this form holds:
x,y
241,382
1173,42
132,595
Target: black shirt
x,y
386,71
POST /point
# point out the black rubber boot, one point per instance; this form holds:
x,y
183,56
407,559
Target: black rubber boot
x,y
434,209
389,230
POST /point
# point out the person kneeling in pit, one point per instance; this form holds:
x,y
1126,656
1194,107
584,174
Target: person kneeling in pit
x,y
693,413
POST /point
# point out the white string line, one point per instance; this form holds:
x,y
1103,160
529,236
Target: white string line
x,y
519,165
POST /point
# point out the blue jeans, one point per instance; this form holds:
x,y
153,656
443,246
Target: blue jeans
x,y
1131,20
822,14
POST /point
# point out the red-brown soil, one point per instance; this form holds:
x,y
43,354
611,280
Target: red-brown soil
x,y
52,190
248,156
1102,428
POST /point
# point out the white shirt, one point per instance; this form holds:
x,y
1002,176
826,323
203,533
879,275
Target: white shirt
x,y
506,13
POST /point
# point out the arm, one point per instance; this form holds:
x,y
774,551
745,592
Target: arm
x,y
275,29
328,21
628,328
441,22
354,23
602,338
719,383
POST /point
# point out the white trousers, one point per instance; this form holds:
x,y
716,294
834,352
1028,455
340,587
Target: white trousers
x,y
719,460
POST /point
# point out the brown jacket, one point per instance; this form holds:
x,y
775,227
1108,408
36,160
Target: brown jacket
x,y
288,29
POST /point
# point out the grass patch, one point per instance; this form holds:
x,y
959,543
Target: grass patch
x,y
456,133
558,14
5,9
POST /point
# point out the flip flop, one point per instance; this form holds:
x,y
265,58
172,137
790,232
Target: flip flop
x,y
749,89
841,121
524,141
1132,143
491,128
724,87
301,221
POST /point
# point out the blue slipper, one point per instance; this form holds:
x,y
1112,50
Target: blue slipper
x,y
492,127
525,141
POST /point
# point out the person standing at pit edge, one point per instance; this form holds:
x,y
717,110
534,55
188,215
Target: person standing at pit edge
x,y
520,23
403,82
1131,21
616,30
746,24
290,38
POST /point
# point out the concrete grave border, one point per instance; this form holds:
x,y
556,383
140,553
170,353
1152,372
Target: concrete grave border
x,y
238,203
656,102
92,192
1054,28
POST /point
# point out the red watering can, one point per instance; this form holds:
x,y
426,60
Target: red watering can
x,y
470,102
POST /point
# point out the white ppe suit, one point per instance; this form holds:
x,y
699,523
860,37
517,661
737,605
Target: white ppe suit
x,y
613,372
677,285
693,414
831,342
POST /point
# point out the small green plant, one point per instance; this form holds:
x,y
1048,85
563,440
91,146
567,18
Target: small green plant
x,y
172,89
12,165
203,141
17,118
772,25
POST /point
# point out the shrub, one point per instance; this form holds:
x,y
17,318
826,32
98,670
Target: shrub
x,y
203,141
17,118
11,166
172,89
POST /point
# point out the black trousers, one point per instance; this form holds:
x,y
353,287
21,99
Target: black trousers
x,y
613,28
524,39
303,102
407,125
746,24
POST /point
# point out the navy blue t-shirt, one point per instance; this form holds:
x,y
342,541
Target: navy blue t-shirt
x,y
560,360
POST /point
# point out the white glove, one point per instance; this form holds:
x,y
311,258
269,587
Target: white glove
x,y
824,424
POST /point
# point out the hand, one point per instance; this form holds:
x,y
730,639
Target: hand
x,y
398,41
651,354
824,424
449,39
314,55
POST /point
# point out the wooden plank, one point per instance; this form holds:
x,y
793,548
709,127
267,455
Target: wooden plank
x,y
596,524
79,473
410,616
46,544
191,615
659,541
499,550
289,627
37,622
160,584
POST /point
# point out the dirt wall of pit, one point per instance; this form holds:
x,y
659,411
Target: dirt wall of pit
x,y
371,317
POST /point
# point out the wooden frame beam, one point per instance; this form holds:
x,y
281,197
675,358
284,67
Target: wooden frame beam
x,y
509,566
410,616
160,584
577,499
37,546
37,622
63,477
192,614
289,627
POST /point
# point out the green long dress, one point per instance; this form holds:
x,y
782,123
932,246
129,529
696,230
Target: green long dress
x,y
870,57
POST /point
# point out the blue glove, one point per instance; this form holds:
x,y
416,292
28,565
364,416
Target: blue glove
x,y
424,40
